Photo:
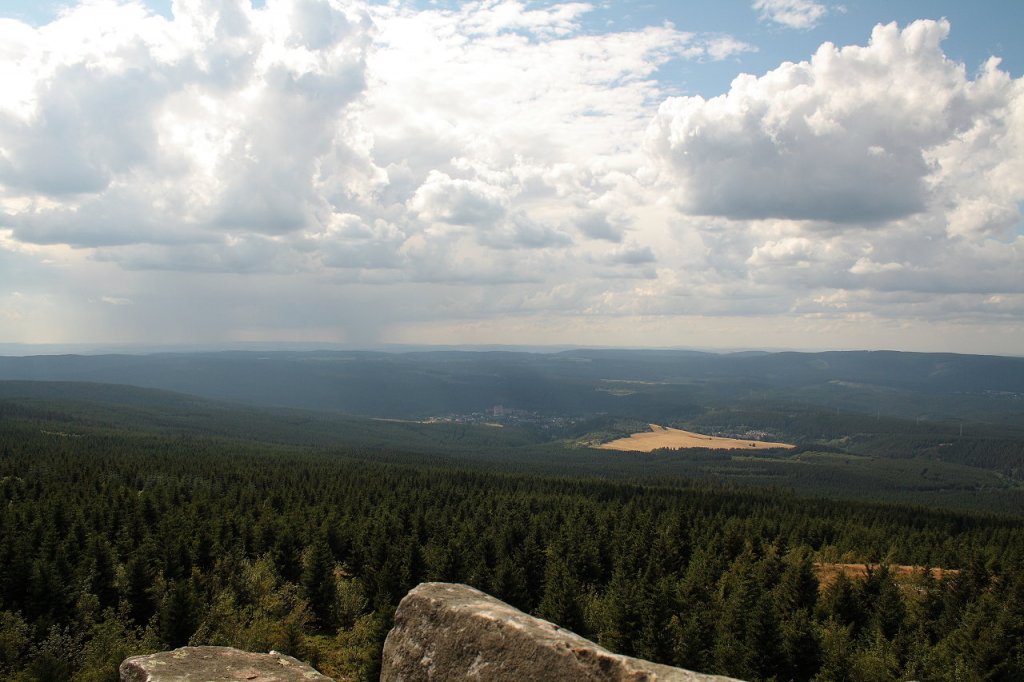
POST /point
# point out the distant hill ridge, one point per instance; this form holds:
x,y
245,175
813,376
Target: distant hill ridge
x,y
420,384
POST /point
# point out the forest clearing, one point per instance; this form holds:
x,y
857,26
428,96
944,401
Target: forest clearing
x,y
667,437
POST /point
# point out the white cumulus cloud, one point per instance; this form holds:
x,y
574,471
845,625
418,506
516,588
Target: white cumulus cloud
x,y
854,135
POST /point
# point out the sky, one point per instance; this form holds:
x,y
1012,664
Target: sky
x,y
735,174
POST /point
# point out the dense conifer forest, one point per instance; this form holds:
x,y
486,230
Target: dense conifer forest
x,y
116,541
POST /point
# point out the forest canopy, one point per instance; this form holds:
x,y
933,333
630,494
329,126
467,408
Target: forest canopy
x,y
116,542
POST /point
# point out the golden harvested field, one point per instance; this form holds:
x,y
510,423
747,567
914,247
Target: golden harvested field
x,y
664,437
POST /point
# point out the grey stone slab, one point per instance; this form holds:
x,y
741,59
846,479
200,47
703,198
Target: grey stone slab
x,y
216,664
448,631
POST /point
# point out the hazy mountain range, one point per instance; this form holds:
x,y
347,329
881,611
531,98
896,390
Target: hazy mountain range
x,y
645,384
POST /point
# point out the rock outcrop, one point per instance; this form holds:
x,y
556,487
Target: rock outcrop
x,y
454,632
215,663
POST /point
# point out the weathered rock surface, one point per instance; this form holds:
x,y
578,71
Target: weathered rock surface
x,y
215,663
454,632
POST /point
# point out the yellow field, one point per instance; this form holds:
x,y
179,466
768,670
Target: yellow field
x,y
663,437
826,573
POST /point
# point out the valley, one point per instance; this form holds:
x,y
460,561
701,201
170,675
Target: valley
x,y
136,518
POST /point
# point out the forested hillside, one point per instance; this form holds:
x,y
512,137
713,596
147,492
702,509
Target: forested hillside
x,y
844,455
114,542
